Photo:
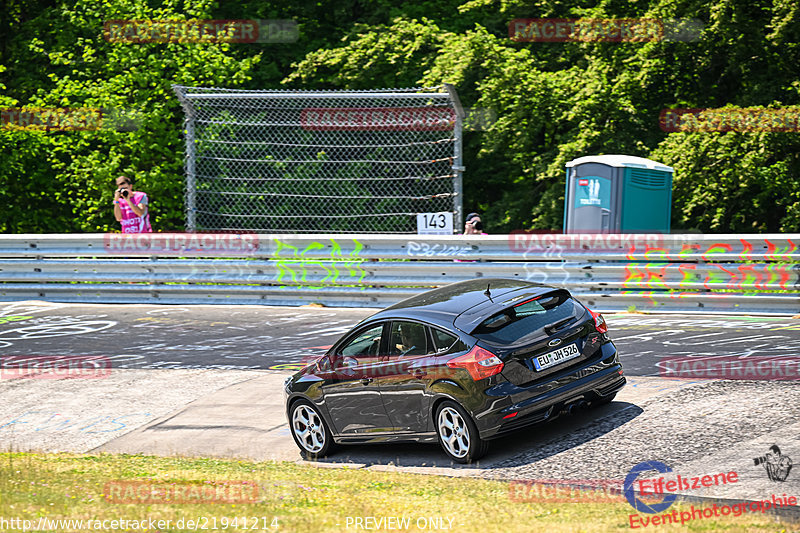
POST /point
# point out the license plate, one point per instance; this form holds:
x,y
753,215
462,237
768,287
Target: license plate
x,y
559,356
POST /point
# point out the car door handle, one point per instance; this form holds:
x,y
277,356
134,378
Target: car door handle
x,y
418,373
366,381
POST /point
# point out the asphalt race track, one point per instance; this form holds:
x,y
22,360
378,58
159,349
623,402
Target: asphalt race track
x,y
206,380
278,338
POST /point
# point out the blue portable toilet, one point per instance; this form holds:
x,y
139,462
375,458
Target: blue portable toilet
x,y
617,193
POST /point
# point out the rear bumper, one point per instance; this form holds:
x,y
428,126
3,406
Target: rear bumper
x,y
598,378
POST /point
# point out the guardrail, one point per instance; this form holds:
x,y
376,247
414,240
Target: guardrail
x,y
651,272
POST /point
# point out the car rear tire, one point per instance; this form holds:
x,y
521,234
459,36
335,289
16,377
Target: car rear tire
x,y
457,433
309,430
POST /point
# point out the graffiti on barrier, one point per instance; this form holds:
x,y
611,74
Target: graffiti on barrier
x,y
683,274
296,266
423,249
746,276
551,271
755,249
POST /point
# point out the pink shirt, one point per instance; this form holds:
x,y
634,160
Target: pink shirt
x,y
131,223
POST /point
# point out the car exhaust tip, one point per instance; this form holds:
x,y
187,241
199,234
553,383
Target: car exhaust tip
x,y
574,407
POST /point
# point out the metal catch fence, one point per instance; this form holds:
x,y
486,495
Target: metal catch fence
x,y
320,161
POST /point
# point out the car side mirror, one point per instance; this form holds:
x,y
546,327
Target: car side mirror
x,y
343,365
324,363
337,363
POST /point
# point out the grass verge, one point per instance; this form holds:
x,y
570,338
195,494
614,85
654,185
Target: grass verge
x,y
290,497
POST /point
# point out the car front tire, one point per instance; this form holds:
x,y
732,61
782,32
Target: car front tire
x,y
457,433
309,430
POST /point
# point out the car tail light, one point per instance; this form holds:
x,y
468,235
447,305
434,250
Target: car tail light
x,y
599,322
480,363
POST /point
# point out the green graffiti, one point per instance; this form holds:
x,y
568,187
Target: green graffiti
x,y
718,276
356,260
689,275
13,318
780,253
298,267
288,366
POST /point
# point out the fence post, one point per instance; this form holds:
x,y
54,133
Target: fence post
x,y
191,179
458,162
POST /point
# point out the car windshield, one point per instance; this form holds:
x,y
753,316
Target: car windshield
x,y
517,322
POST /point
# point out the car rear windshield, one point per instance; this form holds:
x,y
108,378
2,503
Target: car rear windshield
x,y
515,323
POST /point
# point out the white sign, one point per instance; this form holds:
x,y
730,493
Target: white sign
x,y
435,223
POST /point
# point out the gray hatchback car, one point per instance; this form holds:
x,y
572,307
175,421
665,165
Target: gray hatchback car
x,y
461,365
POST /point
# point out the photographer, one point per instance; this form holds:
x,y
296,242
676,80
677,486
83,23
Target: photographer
x,y
473,225
130,207
775,463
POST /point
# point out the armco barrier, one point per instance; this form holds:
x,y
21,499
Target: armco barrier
x,y
651,272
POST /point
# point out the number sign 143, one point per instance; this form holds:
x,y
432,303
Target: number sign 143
x,y
435,223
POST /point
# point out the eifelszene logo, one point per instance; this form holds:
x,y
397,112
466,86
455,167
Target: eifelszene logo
x,y
630,494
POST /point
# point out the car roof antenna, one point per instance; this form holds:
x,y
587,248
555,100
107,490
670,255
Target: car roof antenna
x,y
487,293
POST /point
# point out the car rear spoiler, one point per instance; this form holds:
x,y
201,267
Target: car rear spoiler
x,y
473,317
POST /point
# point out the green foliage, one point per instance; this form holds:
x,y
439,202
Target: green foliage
x,y
559,101
58,58
377,57
553,101
734,182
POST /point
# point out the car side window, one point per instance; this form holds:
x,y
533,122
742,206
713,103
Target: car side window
x,y
364,345
443,340
409,339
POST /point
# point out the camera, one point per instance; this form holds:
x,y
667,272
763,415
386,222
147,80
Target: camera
x,y
478,225
123,192
760,460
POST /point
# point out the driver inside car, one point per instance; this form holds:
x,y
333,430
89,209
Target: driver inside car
x,y
408,339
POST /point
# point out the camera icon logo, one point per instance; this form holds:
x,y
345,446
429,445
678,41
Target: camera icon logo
x,y
775,463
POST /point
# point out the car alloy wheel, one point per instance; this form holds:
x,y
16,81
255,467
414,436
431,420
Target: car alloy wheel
x,y
457,433
309,430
